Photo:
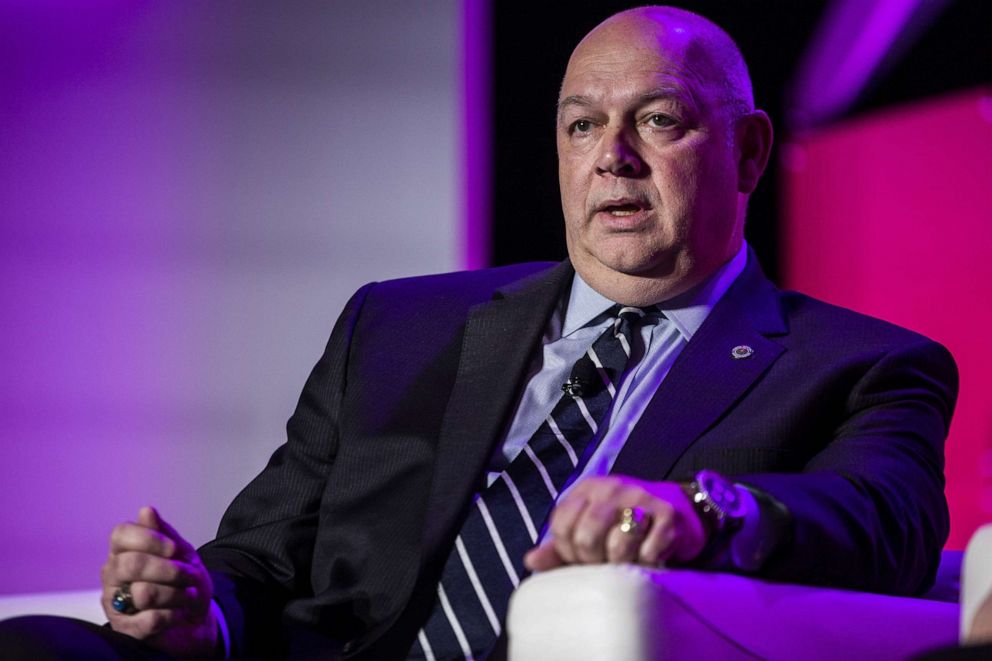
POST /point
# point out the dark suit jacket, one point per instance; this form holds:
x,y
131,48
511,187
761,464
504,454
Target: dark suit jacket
x,y
340,539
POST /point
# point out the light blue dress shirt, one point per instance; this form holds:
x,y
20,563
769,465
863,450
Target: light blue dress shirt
x,y
572,330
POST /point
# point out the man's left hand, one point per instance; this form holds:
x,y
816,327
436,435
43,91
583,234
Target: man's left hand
x,y
585,525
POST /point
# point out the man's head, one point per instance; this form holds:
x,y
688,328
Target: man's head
x,y
659,147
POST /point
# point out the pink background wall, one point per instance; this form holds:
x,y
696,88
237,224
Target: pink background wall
x,y
891,215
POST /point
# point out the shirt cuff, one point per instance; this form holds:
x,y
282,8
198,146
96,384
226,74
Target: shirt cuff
x,y
225,634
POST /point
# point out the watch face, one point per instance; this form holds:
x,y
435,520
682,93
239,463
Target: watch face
x,y
721,492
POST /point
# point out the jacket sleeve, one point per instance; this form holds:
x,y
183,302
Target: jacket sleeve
x,y
868,511
264,546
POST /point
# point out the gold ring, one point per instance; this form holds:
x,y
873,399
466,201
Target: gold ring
x,y
632,519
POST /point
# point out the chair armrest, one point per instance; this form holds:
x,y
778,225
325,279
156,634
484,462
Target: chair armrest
x,y
82,604
629,612
976,576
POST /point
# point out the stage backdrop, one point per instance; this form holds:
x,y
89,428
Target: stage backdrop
x,y
890,215
189,192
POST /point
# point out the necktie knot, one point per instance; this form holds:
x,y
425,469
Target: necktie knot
x,y
628,319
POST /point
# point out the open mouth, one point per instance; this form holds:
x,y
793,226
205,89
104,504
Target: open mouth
x,y
622,209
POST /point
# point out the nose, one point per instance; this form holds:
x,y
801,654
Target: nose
x,y
618,157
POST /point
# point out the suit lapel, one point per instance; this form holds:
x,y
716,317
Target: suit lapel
x,y
706,380
500,339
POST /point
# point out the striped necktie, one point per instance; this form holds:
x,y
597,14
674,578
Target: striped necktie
x,y
503,523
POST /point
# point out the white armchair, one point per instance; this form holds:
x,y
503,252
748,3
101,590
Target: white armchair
x,y
80,604
628,612
976,577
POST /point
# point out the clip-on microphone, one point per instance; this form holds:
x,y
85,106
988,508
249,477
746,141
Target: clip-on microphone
x,y
584,380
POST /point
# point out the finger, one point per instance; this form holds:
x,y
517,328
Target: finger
x,y
149,517
659,543
589,532
624,546
145,624
149,596
543,557
137,537
133,566
563,520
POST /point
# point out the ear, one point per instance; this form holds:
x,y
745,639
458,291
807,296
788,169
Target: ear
x,y
754,142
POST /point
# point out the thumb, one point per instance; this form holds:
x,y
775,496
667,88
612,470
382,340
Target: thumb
x,y
150,518
543,557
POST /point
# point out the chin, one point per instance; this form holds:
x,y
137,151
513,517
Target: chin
x,y
651,265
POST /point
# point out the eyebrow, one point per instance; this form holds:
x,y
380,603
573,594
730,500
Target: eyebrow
x,y
654,94
573,100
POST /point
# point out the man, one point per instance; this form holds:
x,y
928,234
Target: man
x,y
419,420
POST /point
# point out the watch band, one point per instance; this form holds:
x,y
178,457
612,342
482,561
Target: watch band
x,y
744,525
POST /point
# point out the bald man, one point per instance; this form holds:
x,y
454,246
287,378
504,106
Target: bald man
x,y
653,399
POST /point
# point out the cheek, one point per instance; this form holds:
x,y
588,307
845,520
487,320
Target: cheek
x,y
678,180
573,186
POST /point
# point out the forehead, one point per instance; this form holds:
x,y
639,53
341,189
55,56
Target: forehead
x,y
629,58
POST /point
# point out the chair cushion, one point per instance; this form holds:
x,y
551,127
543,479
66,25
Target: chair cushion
x,y
629,612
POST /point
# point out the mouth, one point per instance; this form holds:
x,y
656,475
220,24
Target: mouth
x,y
623,208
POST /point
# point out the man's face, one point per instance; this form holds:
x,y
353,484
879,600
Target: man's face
x,y
647,159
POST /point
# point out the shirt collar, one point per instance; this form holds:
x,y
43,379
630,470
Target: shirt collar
x,y
687,311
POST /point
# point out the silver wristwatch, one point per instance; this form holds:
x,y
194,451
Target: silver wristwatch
x,y
717,502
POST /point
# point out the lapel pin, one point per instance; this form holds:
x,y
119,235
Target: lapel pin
x,y
741,352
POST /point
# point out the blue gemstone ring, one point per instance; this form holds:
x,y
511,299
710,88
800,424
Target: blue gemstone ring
x,y
122,601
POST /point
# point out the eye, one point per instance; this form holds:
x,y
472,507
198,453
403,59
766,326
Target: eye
x,y
580,126
661,121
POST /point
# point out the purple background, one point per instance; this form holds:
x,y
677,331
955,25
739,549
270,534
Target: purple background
x,y
188,194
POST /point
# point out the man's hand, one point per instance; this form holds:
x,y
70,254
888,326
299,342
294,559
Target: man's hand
x,y
170,587
585,525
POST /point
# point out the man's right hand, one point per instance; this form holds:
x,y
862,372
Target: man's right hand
x,y
169,585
